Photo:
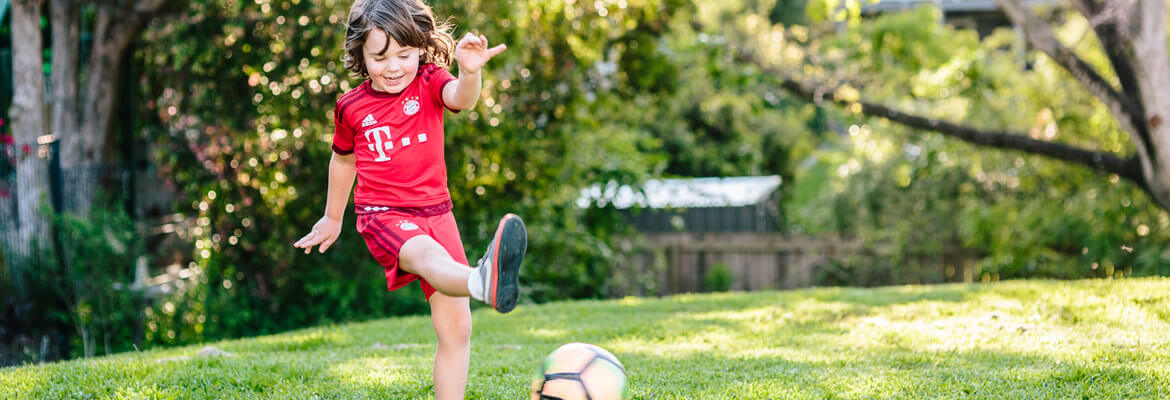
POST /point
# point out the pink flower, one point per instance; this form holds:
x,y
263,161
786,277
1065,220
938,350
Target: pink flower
x,y
26,148
6,139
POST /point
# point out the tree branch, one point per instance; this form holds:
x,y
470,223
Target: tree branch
x,y
1128,168
136,8
1109,22
1124,106
1106,21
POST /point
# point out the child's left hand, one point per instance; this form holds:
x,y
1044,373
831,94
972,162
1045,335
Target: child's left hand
x,y
472,52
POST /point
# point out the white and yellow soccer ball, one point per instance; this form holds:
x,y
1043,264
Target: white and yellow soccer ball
x,y
580,371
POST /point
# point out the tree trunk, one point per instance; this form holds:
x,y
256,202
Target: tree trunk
x,y
84,154
113,32
1133,35
1152,70
28,123
66,23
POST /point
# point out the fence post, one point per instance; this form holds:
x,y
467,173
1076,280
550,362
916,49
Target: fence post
x,y
56,186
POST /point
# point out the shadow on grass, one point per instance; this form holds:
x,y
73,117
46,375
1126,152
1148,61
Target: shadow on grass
x,y
361,361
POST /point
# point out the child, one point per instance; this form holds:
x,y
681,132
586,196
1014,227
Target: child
x,y
389,133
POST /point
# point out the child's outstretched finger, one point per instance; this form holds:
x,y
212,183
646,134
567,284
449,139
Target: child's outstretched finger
x,y
304,239
497,50
328,242
308,241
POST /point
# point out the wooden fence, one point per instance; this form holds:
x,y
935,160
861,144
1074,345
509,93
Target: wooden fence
x,y
668,263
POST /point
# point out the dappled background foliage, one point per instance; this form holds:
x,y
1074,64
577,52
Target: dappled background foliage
x,y
1022,215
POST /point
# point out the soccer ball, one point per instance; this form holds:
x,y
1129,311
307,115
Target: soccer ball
x,y
579,371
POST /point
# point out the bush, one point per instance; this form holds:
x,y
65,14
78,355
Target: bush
x,y
96,256
76,297
718,278
34,319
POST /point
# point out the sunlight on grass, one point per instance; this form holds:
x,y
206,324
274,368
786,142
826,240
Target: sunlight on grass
x,y
546,333
1008,340
372,370
709,341
631,301
303,340
760,318
142,393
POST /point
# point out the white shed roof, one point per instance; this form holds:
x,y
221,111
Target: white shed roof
x,y
683,193
945,5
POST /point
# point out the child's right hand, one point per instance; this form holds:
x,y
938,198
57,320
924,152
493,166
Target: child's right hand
x,y
324,232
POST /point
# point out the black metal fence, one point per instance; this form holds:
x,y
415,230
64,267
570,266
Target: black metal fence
x,y
35,303
131,186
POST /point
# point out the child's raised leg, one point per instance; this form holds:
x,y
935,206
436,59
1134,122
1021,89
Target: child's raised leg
x,y
495,278
425,257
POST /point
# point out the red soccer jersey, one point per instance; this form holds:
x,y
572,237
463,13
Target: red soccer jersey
x,y
397,140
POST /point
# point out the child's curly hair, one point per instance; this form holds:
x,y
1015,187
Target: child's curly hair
x,y
409,22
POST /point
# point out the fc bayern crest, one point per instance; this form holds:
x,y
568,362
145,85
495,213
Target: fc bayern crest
x,y
411,107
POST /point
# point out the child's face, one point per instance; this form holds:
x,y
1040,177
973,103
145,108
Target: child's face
x,y
393,70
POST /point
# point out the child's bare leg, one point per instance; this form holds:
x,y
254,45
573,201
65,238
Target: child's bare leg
x,y
423,256
451,317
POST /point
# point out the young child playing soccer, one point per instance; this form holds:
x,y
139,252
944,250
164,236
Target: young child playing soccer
x,y
389,133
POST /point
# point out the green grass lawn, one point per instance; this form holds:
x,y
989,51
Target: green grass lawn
x,y
1012,340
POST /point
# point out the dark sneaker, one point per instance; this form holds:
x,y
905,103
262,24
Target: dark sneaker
x,y
500,266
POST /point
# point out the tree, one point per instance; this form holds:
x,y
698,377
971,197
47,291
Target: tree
x,y
1133,36
28,117
1012,213
80,114
117,23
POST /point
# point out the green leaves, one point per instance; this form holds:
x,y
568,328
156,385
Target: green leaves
x,y
1027,216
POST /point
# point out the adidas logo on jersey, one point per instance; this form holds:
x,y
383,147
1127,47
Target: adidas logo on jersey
x,y
369,120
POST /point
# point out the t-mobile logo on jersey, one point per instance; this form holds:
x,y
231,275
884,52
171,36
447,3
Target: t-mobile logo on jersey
x,y
381,142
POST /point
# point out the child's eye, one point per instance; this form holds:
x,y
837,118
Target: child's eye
x,y
404,56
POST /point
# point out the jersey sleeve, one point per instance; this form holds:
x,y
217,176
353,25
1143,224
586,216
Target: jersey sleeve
x,y
436,78
342,133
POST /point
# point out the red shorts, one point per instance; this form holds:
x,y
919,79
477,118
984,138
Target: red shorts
x,y
385,229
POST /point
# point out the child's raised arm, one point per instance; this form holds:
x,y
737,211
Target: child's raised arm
x,y
341,175
471,54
